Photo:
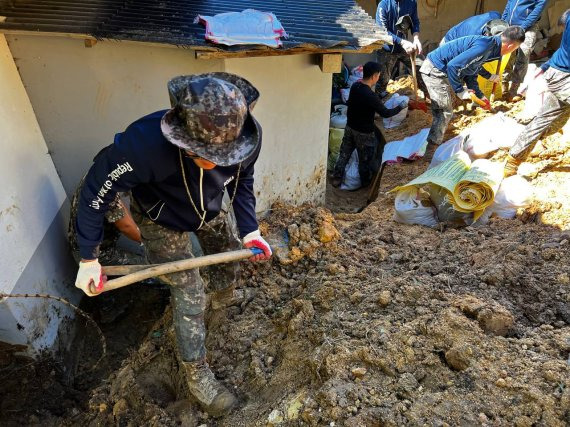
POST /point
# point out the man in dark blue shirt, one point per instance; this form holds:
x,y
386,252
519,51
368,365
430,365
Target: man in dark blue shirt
x,y
557,100
526,14
177,164
486,24
460,61
397,17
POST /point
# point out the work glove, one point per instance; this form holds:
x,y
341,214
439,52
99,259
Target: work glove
x,y
254,240
417,45
487,106
495,78
90,272
408,46
465,95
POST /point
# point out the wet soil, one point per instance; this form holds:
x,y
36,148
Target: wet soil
x,y
361,321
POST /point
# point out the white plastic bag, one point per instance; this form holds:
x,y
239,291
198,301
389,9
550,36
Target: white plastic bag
x,y
446,150
515,192
490,134
412,206
351,180
395,121
338,117
411,148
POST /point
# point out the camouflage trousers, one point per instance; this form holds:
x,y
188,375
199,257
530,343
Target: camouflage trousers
x,y
441,96
556,103
187,287
387,61
366,145
517,67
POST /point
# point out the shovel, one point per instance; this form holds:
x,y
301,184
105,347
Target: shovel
x,y
415,104
136,273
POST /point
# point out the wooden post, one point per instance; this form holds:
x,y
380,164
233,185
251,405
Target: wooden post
x,y
330,62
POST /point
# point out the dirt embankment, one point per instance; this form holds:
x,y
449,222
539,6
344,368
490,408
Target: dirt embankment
x,y
361,321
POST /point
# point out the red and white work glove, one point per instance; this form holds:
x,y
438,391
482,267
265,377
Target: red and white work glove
x,y
254,240
90,272
487,106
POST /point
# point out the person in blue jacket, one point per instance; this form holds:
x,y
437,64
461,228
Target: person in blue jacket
x,y
459,62
556,72
177,164
524,13
397,17
486,24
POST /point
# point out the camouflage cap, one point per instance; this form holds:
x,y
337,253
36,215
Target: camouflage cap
x,y
210,116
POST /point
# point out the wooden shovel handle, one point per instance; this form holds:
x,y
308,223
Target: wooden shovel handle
x,y
174,267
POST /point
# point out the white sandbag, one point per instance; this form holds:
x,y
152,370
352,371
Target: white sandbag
x,y
338,117
411,147
446,150
515,192
351,180
412,206
490,134
395,121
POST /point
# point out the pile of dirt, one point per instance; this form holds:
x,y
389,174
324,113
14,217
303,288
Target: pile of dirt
x,y
362,321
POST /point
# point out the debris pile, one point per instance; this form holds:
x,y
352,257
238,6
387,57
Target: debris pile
x,y
361,321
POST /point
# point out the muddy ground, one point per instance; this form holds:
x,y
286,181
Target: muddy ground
x,y
357,321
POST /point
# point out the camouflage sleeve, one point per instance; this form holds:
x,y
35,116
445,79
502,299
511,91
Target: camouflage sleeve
x,y
115,211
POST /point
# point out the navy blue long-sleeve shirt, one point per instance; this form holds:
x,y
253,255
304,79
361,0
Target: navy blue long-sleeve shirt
x,y
473,26
142,160
561,58
462,60
387,15
523,12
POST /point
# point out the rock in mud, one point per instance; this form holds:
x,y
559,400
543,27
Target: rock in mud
x,y
459,357
358,372
496,321
385,298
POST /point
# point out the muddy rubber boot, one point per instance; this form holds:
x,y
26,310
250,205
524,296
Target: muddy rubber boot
x,y
230,297
212,395
511,166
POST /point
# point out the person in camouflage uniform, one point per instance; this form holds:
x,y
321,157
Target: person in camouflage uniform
x,y
177,165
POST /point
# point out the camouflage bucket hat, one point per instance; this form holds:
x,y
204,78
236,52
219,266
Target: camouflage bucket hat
x,y
211,117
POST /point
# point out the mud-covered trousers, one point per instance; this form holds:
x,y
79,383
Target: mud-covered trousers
x,y
441,96
366,145
387,61
518,64
556,102
187,287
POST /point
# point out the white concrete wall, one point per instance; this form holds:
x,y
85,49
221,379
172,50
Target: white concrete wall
x,y
32,228
293,110
83,96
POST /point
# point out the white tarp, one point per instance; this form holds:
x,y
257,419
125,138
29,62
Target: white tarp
x,y
410,148
247,27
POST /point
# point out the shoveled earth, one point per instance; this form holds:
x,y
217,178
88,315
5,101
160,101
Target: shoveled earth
x,y
361,321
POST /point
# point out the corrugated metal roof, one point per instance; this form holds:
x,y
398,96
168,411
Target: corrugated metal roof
x,y
315,24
